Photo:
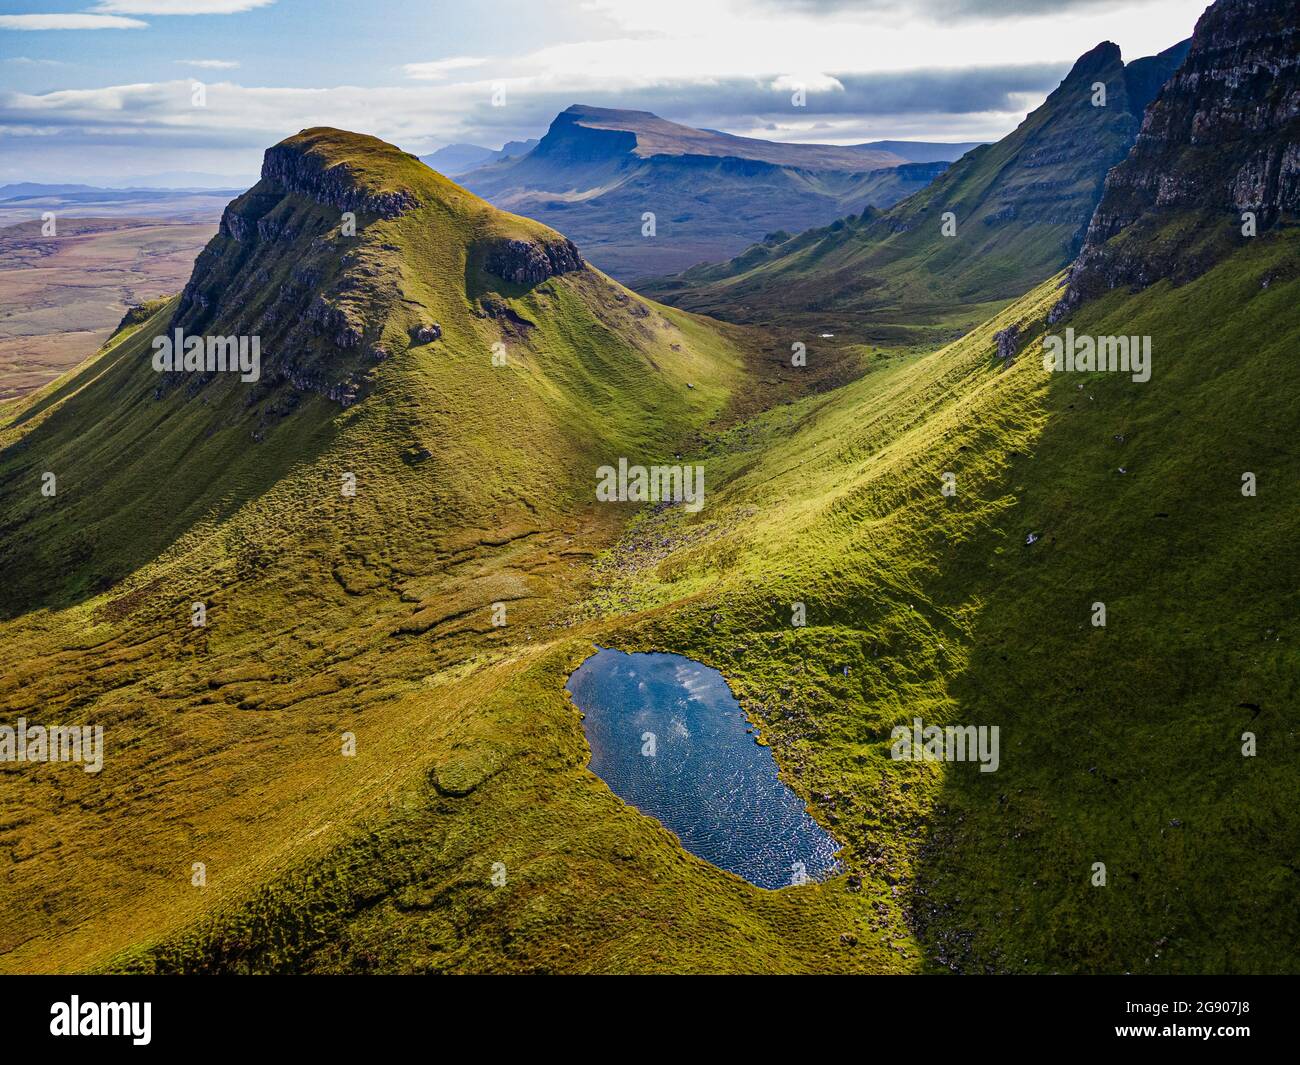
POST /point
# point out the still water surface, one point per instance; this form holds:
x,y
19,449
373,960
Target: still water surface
x,y
706,779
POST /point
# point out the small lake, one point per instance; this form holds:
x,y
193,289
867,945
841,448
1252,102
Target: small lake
x,y
667,736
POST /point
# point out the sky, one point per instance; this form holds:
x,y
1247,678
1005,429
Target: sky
x,y
103,91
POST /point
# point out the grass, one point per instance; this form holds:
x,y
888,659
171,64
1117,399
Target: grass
x,y
1120,744
368,615
372,616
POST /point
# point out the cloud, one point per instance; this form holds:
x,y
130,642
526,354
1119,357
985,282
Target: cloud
x,y
940,10
179,7
438,69
27,61
811,82
720,64
69,22
209,64
975,103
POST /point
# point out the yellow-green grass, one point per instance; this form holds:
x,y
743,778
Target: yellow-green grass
x,y
1121,744
373,615
369,615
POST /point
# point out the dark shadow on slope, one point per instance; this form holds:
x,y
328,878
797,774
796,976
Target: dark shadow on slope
x,y
1123,744
134,473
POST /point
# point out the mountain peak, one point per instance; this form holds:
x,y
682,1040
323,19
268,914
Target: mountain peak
x,y
1103,57
1218,140
330,296
348,171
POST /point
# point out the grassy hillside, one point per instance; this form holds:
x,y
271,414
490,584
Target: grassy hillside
x,y
372,616
1120,744
369,615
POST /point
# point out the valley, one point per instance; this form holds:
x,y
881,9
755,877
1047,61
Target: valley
x,y
63,295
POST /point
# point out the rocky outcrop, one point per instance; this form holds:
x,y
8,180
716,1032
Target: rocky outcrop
x,y
1008,343
529,262
339,324
292,166
1221,138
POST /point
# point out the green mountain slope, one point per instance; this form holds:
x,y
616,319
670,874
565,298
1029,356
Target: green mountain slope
x,y
1019,207
1124,744
1121,744
369,615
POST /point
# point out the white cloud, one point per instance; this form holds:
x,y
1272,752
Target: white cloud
x,y
209,64
249,119
438,69
179,7
670,39
69,22
812,82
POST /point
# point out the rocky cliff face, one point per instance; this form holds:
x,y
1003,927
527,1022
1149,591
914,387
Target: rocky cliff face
x,y
288,167
1221,138
1058,174
525,262
283,269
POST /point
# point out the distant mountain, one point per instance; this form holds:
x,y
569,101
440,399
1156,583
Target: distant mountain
x,y
177,179
922,151
92,194
27,200
34,188
457,159
598,171
1017,210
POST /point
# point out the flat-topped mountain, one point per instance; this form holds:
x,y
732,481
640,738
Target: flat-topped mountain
x,y
581,130
597,172
321,290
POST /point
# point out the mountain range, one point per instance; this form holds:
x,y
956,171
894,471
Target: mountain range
x,y
598,172
1016,212
456,159
351,766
